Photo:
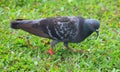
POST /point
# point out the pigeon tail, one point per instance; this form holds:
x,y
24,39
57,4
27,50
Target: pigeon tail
x,y
15,24
31,26
20,23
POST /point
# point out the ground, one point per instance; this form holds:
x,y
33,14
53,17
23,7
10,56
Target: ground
x,y
100,55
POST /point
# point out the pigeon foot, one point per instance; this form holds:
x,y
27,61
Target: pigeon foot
x,y
76,51
50,51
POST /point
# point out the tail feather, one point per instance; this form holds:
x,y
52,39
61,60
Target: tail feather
x,y
14,24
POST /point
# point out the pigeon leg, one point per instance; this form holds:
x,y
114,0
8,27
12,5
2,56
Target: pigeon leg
x,y
50,51
66,45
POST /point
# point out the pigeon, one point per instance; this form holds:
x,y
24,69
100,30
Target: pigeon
x,y
66,29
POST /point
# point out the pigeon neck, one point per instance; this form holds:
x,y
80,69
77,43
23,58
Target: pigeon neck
x,y
87,30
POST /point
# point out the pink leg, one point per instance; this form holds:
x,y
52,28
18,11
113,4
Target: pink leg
x,y
50,51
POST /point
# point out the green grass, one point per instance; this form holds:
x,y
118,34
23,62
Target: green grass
x,y
103,55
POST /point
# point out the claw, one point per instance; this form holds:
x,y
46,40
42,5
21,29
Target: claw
x,y
50,51
74,50
81,51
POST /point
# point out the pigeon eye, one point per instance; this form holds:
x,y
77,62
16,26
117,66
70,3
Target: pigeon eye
x,y
92,25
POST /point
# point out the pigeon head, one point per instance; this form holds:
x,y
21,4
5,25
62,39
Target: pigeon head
x,y
93,25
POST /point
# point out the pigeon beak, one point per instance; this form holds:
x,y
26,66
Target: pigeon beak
x,y
97,31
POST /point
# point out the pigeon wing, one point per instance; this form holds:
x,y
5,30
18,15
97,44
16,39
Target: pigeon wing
x,y
60,28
